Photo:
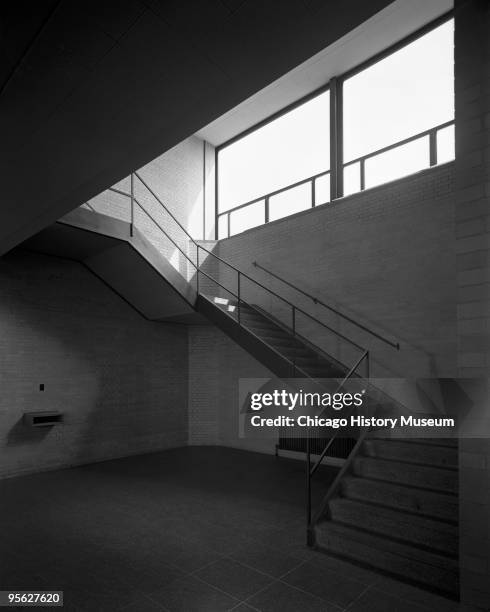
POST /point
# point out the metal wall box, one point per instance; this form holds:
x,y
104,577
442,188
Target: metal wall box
x,y
43,418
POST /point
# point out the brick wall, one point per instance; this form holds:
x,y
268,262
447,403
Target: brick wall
x,y
384,256
472,194
216,364
120,381
183,179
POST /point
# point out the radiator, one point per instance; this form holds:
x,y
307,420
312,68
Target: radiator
x,y
341,447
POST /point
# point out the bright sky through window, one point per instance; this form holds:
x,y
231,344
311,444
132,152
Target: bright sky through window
x,y
407,92
293,147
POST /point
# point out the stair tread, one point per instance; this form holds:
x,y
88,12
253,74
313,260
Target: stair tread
x,y
443,442
387,544
422,454
406,464
431,569
398,515
429,533
424,502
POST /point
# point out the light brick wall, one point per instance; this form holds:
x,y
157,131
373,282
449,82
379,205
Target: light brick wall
x,y
472,192
216,364
120,381
183,179
384,256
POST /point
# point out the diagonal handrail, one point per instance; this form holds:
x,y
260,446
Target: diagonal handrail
x,y
237,270
331,308
365,352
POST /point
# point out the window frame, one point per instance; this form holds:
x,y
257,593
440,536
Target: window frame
x,y
337,165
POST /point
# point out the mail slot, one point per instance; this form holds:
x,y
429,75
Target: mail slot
x,y
43,418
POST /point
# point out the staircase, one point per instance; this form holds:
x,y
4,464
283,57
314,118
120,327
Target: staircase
x,y
393,506
397,511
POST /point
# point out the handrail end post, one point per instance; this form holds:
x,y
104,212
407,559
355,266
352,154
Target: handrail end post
x,y
310,536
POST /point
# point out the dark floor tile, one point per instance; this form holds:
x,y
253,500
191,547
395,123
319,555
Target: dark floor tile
x,y
142,604
243,607
266,559
116,528
346,569
193,557
193,595
143,573
374,600
321,582
291,542
417,596
280,597
234,578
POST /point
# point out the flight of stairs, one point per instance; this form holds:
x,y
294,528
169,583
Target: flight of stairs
x,y
306,358
397,512
396,509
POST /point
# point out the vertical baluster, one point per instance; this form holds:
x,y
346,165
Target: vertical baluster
x,y
308,490
239,296
433,148
131,227
197,269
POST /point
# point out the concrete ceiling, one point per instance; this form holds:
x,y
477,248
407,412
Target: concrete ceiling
x,y
95,88
379,32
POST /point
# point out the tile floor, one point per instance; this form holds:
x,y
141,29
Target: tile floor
x,y
192,529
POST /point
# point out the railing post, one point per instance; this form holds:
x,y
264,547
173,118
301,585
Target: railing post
x,y
132,205
197,269
266,209
309,534
239,298
362,166
336,140
313,194
433,148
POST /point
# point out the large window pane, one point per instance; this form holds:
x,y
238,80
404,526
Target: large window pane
x,y
406,93
397,162
247,217
289,202
445,144
223,227
322,189
352,178
293,147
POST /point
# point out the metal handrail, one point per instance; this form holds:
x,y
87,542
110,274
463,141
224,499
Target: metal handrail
x,y
237,270
399,143
361,159
276,192
331,308
165,233
310,471
365,355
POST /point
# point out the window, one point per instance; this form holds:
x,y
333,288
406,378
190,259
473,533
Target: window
x,y
285,151
397,118
408,92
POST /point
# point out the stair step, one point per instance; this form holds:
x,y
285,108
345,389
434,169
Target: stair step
x,y
426,454
411,499
430,533
444,442
406,562
421,476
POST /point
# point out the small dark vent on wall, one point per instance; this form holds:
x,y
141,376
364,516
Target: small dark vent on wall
x,y
43,418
